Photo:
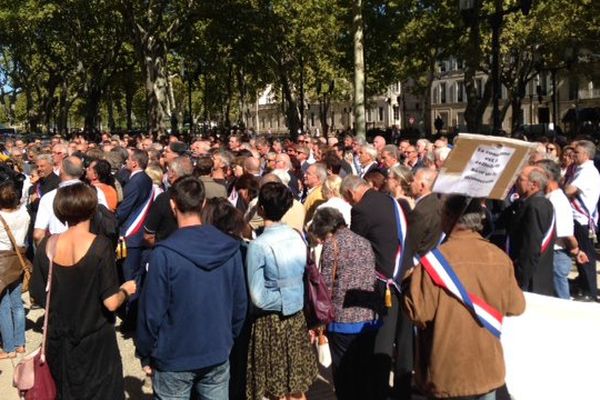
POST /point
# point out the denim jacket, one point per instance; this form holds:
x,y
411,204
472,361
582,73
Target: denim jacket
x,y
276,261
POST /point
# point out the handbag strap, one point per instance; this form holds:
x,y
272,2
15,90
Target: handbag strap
x,y
50,252
13,241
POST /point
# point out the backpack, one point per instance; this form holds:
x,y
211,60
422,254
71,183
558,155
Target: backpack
x,y
104,222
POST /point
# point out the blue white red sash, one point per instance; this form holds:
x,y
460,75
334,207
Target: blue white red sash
x,y
546,240
401,228
442,274
578,204
140,218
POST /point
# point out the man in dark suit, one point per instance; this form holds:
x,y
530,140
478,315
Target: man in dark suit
x,y
131,215
424,233
531,235
373,218
367,156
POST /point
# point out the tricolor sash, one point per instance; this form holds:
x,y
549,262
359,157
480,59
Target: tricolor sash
x,y
401,228
442,274
138,221
546,240
578,204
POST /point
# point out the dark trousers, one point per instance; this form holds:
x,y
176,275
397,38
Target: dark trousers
x,y
132,269
587,272
394,337
352,357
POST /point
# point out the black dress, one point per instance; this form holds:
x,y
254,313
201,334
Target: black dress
x,y
82,349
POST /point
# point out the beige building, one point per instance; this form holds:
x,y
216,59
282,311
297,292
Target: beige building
x,y
382,111
449,99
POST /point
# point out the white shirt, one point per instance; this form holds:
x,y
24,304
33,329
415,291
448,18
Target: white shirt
x,y
587,180
45,218
341,205
18,222
563,215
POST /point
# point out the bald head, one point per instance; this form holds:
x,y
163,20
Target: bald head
x,y
71,168
252,165
423,182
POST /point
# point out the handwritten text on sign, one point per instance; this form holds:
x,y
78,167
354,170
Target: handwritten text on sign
x,y
484,169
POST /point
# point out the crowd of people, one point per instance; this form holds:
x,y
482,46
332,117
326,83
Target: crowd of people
x,y
200,247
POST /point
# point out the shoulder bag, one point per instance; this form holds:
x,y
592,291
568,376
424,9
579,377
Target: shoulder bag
x,y
32,375
12,263
318,304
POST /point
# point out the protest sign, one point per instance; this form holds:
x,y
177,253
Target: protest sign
x,y
482,166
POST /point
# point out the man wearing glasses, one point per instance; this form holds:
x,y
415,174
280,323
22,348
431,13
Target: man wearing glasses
x,y
59,152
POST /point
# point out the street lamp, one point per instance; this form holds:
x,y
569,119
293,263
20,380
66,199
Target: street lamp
x,y
495,19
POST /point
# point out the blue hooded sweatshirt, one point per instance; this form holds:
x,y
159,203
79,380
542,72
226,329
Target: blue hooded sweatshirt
x,y
194,300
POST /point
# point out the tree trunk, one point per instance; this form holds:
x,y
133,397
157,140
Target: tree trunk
x,y
156,86
110,105
91,109
229,95
32,115
360,125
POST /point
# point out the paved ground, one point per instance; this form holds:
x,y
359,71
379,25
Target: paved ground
x,y
137,385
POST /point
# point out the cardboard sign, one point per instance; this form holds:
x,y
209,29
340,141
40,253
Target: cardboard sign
x,y
483,166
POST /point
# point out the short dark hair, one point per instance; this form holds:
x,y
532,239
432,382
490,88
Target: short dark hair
x,y
75,203
248,182
275,199
140,157
220,213
9,198
326,220
103,170
332,161
188,194
204,166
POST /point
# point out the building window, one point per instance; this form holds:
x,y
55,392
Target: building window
x,y
262,122
443,92
332,119
573,88
278,120
380,113
436,95
270,122
312,119
369,114
460,90
459,64
396,110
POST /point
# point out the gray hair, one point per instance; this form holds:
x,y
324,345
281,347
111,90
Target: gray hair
x,y
392,151
470,215
72,167
182,166
270,177
551,168
370,150
283,176
351,183
226,157
588,147
428,177
538,176
44,157
320,171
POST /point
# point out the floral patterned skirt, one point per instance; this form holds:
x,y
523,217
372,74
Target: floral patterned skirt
x,y
281,359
